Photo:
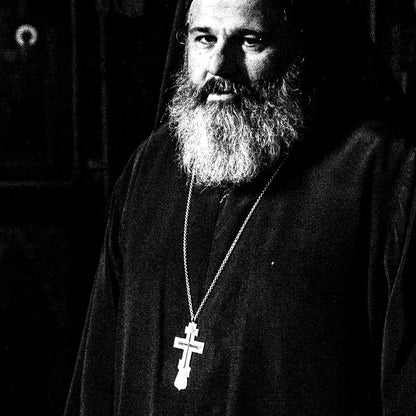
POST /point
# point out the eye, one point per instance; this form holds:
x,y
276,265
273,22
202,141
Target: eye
x,y
205,40
253,42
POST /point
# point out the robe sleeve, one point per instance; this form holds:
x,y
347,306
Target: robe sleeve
x,y
399,338
91,391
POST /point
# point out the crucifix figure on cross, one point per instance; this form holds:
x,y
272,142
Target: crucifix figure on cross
x,y
189,346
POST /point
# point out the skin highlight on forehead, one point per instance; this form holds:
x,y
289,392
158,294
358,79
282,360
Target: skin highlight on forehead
x,y
257,14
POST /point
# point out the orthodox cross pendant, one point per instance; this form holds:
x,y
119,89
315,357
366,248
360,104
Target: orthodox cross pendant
x,y
189,346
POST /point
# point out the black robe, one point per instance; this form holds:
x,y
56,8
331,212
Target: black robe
x,y
314,313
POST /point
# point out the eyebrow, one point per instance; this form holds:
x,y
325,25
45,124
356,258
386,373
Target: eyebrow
x,y
199,29
238,32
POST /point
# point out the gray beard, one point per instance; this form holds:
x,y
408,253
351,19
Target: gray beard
x,y
224,143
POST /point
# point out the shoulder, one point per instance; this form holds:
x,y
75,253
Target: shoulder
x,y
159,145
386,150
372,142
391,169
378,134
390,149
151,155
154,157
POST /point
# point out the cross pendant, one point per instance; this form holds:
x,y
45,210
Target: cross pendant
x,y
189,346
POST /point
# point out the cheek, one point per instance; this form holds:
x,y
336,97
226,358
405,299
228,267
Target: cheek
x,y
196,67
267,67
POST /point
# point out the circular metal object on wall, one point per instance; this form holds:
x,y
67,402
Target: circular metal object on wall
x,y
26,35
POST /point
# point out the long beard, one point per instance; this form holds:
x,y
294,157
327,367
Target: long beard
x,y
231,142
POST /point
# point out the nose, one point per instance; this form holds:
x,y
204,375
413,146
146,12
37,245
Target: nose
x,y
222,62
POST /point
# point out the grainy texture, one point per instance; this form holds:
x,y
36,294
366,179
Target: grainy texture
x,y
313,313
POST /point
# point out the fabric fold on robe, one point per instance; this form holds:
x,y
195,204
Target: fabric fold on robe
x,y
314,312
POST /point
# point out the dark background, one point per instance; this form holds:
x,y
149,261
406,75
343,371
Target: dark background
x,y
73,106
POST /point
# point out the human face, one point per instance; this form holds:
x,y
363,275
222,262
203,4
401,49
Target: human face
x,y
244,41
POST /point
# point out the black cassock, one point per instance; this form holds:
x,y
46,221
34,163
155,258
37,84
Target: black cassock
x,y
314,313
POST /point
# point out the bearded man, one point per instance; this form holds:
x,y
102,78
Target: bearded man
x,y
256,260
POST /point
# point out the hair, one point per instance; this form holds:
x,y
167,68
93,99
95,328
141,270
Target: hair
x,y
232,142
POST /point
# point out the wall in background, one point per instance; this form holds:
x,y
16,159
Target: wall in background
x,y
392,27
79,82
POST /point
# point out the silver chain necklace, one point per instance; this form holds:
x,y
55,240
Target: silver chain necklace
x,y
188,344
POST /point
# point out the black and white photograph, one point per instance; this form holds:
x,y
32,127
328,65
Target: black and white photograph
x,y
208,207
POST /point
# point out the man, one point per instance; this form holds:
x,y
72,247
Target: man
x,y
257,255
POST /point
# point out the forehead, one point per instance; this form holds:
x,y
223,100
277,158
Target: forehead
x,y
252,14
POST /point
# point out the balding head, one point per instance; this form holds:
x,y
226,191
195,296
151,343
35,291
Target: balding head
x,y
269,9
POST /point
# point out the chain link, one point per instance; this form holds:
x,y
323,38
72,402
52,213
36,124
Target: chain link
x,y
195,316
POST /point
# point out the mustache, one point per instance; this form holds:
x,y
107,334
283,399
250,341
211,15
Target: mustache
x,y
225,86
